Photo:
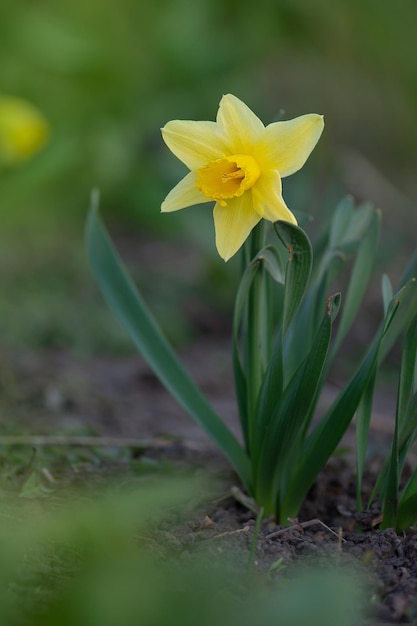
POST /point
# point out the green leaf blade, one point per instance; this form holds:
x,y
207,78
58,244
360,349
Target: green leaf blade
x,y
359,277
127,304
324,439
298,268
292,412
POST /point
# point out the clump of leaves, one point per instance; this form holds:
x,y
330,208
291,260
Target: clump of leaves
x,y
283,348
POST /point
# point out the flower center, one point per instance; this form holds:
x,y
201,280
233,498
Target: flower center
x,y
228,178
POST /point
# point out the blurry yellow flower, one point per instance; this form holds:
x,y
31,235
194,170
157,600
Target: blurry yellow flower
x,y
238,162
23,130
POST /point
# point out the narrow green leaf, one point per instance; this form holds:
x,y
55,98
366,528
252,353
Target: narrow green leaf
x,y
404,432
348,228
327,435
333,262
269,396
408,426
271,261
363,420
407,506
324,439
257,338
238,367
301,332
340,221
387,291
410,271
406,413
359,277
292,410
407,509
241,393
391,484
408,297
406,438
298,267
353,231
357,225
333,307
125,301
267,258
408,365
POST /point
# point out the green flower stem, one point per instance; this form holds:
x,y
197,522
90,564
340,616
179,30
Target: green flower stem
x,y
257,348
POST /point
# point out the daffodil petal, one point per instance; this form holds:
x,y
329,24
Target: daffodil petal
x,y
233,223
241,127
285,146
268,201
194,143
184,194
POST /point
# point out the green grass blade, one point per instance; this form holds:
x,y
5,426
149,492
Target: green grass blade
x,y
407,508
404,318
292,409
256,341
355,224
238,366
410,271
363,420
408,426
405,430
387,291
353,232
359,277
391,484
405,424
407,436
326,436
270,394
268,259
340,222
408,296
241,393
298,267
125,301
406,384
300,335
271,261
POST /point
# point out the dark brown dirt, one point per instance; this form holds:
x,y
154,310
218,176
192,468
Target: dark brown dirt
x,y
60,393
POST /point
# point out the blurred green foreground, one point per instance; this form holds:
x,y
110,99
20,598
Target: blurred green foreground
x,y
97,564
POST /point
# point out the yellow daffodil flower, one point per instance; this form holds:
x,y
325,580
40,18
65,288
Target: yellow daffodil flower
x,y
23,130
238,162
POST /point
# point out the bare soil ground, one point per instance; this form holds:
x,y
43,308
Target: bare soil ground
x,y
56,393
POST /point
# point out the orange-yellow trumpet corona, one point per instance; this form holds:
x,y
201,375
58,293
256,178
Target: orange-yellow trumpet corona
x,y
238,162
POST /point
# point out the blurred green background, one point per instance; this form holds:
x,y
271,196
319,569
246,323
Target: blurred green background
x,y
108,75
